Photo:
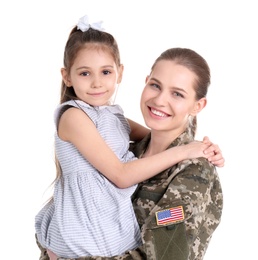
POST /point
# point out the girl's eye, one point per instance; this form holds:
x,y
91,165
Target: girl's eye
x,y
106,72
85,73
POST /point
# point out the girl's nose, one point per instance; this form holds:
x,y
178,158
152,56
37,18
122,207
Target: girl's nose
x,y
96,83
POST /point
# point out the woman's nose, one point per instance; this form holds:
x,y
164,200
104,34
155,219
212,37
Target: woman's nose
x,y
161,98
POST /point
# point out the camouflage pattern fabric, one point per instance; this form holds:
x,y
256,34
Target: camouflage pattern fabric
x,y
193,185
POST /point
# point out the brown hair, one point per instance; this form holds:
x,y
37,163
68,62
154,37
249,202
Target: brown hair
x,y
198,65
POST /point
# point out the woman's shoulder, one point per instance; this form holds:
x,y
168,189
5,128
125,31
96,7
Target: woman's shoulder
x,y
198,166
190,172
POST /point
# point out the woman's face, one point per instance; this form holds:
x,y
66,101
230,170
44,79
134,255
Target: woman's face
x,y
168,98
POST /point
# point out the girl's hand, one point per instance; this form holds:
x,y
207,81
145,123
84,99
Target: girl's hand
x,y
213,153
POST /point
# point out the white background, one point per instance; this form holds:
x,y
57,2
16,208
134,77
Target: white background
x,y
33,35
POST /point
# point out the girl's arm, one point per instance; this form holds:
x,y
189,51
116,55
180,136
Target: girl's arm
x,y
213,152
77,128
138,131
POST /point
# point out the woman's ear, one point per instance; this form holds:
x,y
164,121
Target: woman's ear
x,y
66,77
198,106
120,73
147,78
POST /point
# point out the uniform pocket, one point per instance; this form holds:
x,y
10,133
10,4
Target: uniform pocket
x,y
166,242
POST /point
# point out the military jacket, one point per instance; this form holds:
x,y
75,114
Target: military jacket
x,y
178,209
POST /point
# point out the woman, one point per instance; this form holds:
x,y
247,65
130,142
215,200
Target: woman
x,y
179,209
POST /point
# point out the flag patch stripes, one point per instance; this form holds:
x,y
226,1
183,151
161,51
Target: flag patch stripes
x,y
171,215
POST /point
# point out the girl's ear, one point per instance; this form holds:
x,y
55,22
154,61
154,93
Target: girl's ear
x,y
65,77
199,105
120,73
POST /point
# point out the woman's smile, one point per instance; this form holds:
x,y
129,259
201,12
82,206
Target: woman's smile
x,y
157,113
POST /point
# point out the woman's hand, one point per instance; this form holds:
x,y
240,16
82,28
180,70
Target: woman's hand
x,y
213,153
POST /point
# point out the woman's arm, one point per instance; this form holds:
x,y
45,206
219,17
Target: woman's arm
x,y
76,127
195,194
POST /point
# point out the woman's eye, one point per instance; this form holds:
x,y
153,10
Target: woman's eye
x,y
155,86
177,94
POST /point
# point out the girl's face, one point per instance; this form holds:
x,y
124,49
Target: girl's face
x,y
94,76
168,98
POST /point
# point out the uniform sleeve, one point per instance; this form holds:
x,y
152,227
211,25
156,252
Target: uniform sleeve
x,y
183,220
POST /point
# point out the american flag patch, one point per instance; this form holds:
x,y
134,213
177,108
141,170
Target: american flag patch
x,y
171,215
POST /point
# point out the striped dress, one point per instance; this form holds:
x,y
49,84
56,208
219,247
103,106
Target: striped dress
x,y
89,215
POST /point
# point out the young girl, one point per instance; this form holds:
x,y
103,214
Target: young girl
x,y
91,211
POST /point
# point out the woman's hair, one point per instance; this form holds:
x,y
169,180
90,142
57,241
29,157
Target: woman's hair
x,y
195,63
78,40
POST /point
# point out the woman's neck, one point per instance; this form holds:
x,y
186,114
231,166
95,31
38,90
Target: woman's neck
x,y
159,142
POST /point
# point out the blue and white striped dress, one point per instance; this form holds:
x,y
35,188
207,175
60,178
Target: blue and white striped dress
x,y
90,215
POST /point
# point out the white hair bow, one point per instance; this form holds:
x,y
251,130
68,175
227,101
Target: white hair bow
x,y
84,24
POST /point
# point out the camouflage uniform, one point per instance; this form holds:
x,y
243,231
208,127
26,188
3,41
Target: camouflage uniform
x,y
193,187
192,184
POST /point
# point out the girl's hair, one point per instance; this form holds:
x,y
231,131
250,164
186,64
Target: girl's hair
x,y
195,63
78,40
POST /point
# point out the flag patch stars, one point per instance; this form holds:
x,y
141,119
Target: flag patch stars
x,y
169,216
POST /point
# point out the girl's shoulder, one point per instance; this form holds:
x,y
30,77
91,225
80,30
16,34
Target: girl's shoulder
x,y
92,112
61,108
